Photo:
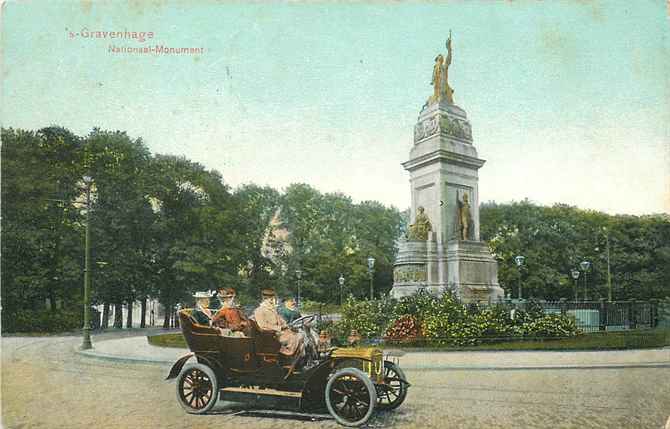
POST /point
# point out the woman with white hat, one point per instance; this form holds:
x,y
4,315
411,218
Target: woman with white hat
x,y
202,314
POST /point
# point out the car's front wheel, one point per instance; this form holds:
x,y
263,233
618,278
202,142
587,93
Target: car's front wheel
x,y
350,397
197,388
393,392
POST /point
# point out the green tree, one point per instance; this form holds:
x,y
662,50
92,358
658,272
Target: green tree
x,y
41,244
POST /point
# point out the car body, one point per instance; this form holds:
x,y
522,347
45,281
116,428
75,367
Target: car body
x,y
350,383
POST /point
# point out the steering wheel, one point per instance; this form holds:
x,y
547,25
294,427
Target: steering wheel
x,y
301,321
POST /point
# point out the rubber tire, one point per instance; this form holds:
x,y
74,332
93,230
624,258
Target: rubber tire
x,y
403,388
215,388
372,392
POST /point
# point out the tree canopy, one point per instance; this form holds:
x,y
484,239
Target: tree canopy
x,y
556,239
165,227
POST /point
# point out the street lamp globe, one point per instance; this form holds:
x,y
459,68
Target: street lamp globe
x,y
584,265
575,274
298,274
371,262
341,280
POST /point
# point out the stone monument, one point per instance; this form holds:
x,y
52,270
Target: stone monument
x,y
442,249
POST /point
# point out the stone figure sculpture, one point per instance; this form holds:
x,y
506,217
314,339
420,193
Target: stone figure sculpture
x,y
437,78
421,227
464,217
440,81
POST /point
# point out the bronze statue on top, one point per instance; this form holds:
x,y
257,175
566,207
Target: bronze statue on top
x,y
440,82
421,227
464,217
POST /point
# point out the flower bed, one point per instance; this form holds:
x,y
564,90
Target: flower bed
x,y
426,319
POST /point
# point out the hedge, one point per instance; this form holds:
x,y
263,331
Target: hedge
x,y
42,321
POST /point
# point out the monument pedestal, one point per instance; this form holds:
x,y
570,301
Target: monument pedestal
x,y
473,272
465,267
419,265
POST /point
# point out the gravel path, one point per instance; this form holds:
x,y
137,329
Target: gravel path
x,y
46,384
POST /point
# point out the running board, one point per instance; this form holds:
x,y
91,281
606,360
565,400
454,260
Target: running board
x,y
267,398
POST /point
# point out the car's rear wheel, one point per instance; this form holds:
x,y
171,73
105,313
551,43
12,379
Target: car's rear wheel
x,y
350,397
394,390
197,388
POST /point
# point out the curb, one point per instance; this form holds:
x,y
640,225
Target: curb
x,y
123,359
538,367
446,367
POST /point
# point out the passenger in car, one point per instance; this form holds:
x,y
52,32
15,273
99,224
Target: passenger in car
x,y
268,319
289,311
201,314
229,319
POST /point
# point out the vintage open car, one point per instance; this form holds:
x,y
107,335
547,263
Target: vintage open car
x,y
350,383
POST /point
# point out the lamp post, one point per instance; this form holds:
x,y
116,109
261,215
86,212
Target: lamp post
x,y
609,276
86,343
519,262
298,274
371,270
575,276
584,265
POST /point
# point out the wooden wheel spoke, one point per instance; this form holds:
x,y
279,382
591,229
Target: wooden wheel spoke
x,y
339,392
352,385
361,402
351,409
359,412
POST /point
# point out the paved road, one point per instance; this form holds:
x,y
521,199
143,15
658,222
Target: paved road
x,y
46,384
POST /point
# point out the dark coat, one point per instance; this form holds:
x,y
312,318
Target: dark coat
x,y
288,314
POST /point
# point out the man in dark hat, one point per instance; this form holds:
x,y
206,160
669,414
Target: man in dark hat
x,y
268,319
289,311
230,319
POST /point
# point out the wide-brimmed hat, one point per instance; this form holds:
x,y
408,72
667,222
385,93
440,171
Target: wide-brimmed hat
x,y
268,293
199,295
227,292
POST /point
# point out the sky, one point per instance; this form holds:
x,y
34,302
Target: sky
x,y
569,101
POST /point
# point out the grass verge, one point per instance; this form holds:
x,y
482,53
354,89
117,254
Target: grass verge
x,y
623,340
175,340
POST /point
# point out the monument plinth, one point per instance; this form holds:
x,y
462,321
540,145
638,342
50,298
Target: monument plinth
x,y
443,250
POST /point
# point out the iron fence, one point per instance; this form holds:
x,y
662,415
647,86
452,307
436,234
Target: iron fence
x,y
593,316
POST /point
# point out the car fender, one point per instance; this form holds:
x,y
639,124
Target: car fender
x,y
176,368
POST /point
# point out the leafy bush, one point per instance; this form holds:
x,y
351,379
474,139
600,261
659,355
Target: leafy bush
x,y
42,321
445,321
369,318
550,325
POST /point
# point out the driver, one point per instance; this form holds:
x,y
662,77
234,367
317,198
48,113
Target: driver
x,y
289,311
268,319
